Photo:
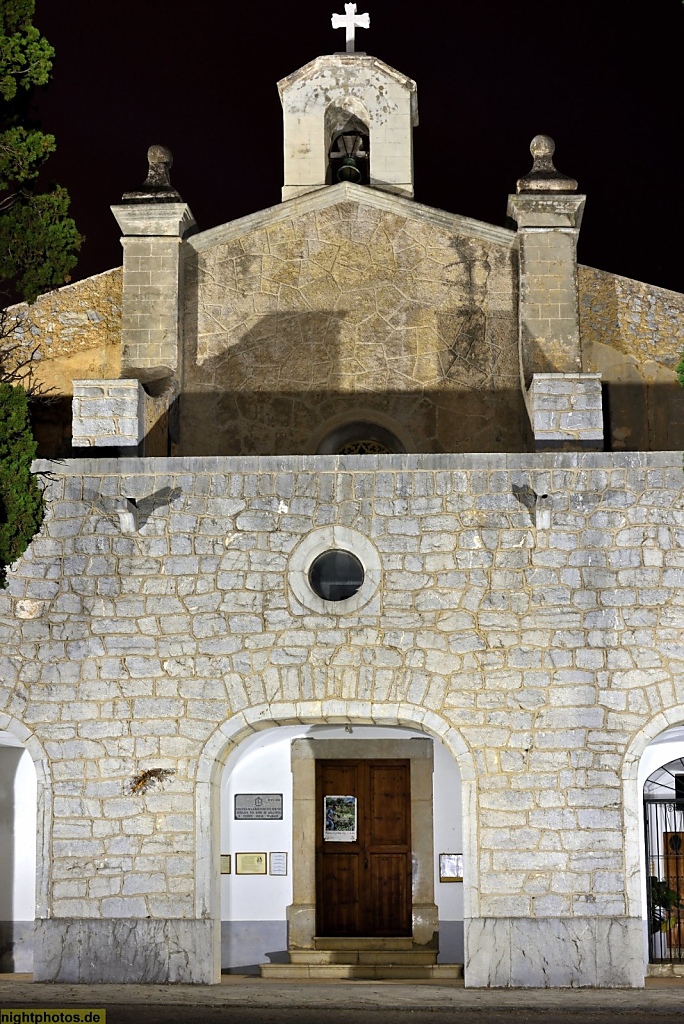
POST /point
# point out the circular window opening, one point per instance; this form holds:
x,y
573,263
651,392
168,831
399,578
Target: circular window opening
x,y
336,575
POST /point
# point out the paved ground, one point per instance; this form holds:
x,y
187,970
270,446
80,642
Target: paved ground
x,y
255,1001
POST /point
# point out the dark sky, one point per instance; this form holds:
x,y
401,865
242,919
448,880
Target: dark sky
x,y
603,78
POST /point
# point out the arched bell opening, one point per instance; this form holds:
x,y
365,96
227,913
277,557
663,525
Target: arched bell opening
x,y
348,148
18,822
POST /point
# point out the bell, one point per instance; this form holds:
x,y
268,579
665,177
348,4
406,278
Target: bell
x,y
349,171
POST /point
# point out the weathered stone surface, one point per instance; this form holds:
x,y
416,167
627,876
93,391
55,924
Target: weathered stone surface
x,y
351,305
633,334
128,951
544,666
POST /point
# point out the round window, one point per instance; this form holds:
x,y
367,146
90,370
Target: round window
x,y
336,575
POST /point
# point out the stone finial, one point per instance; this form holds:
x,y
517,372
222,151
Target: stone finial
x,y
544,177
157,187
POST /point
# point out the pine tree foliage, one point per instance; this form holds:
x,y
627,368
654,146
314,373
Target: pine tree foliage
x,y
21,500
38,245
38,240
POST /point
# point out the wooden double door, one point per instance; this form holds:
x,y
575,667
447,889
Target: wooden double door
x,y
363,887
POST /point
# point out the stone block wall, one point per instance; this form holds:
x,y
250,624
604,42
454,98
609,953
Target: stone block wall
x,y
151,323
548,312
542,651
108,413
566,410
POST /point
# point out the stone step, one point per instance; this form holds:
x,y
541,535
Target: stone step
x,y
363,972
371,942
363,956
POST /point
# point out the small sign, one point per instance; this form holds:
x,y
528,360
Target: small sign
x,y
225,863
258,806
250,863
451,867
339,819
277,863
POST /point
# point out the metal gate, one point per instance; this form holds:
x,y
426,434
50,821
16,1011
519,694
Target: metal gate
x,y
664,834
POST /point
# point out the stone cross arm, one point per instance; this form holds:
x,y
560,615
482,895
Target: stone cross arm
x,y
350,21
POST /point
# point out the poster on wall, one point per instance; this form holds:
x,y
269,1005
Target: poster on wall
x,y
451,867
339,819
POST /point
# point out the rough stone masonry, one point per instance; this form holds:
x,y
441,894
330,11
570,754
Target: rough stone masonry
x,y
544,651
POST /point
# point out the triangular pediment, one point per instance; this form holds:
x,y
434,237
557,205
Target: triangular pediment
x,y
345,192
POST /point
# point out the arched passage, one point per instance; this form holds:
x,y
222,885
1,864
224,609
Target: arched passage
x,y
334,712
649,748
23,823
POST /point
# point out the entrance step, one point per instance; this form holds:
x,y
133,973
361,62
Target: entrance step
x,y
372,942
363,972
404,957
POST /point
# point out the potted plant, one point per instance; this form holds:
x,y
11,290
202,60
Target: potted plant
x,y
663,904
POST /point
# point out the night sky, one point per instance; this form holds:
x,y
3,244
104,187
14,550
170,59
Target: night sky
x,y
603,78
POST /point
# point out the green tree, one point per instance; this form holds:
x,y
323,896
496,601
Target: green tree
x,y
38,245
38,240
21,499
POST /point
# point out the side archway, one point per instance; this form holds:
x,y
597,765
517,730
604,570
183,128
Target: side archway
x,y
228,736
29,780
632,803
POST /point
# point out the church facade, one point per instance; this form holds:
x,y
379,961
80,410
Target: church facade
x,y
356,605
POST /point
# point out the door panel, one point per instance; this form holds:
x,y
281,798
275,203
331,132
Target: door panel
x,y
364,887
390,902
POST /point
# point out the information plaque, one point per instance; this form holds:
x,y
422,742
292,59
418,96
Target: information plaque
x,y
258,806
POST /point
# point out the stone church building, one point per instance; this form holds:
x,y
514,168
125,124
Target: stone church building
x,y
354,627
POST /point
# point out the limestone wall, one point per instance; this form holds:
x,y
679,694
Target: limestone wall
x,y
349,311
539,649
76,332
633,334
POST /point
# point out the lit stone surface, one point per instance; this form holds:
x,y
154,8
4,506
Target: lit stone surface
x,y
351,297
538,656
633,335
566,410
322,96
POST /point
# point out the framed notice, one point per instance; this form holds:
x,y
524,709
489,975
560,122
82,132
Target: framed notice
x,y
225,863
258,806
339,819
250,863
451,867
277,863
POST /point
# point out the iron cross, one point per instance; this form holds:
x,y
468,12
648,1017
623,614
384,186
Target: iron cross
x,y
350,21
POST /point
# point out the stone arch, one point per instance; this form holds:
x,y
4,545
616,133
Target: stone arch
x,y
348,114
328,436
44,807
330,712
632,798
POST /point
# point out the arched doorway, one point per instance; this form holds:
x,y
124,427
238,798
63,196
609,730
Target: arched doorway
x,y
17,855
260,910
662,777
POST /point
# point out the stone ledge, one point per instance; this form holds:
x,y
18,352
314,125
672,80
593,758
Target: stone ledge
x,y
250,465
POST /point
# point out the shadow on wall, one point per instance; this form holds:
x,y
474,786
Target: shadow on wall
x,y
9,766
450,384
